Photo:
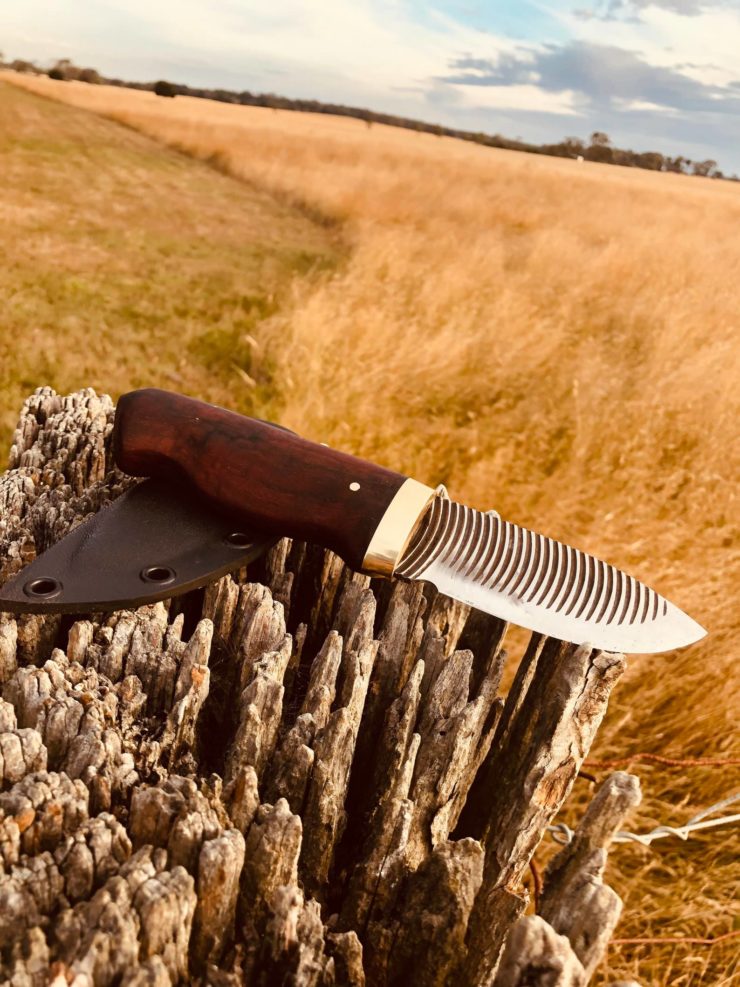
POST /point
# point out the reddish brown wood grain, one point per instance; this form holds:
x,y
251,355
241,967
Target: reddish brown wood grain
x,y
266,475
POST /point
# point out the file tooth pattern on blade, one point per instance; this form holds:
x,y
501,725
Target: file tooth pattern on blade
x,y
515,562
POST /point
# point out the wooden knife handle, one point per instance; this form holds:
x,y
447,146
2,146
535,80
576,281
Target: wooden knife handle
x,y
265,474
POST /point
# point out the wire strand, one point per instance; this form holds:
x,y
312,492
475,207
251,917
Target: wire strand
x,y
563,834
647,941
673,762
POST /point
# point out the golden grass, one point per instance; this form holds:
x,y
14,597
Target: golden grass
x,y
558,341
125,262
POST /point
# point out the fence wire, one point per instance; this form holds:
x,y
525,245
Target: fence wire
x,y
563,834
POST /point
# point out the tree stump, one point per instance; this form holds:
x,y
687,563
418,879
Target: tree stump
x,y
297,776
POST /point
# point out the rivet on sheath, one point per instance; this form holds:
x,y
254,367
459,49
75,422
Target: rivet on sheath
x,y
157,574
354,486
42,588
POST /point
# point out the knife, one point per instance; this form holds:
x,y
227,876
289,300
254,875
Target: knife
x,y
222,488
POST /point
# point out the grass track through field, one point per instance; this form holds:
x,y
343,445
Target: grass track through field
x,y
126,263
555,340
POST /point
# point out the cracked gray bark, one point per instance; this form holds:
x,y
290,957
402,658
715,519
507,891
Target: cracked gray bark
x,y
300,776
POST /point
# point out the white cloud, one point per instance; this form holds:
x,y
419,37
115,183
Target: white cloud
x,y
520,97
378,41
710,43
704,47
372,52
635,105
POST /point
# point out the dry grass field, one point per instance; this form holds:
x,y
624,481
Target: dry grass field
x,y
124,261
553,339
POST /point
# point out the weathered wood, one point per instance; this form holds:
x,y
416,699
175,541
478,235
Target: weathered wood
x,y
564,943
548,724
536,956
298,776
575,901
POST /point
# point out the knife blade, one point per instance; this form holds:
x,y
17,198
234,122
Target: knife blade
x,y
378,521
528,579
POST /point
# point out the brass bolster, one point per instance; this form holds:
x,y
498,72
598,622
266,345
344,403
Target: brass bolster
x,y
396,528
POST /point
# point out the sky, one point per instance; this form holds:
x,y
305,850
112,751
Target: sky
x,y
660,75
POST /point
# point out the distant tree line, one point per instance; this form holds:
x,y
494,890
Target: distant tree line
x,y
597,148
64,68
